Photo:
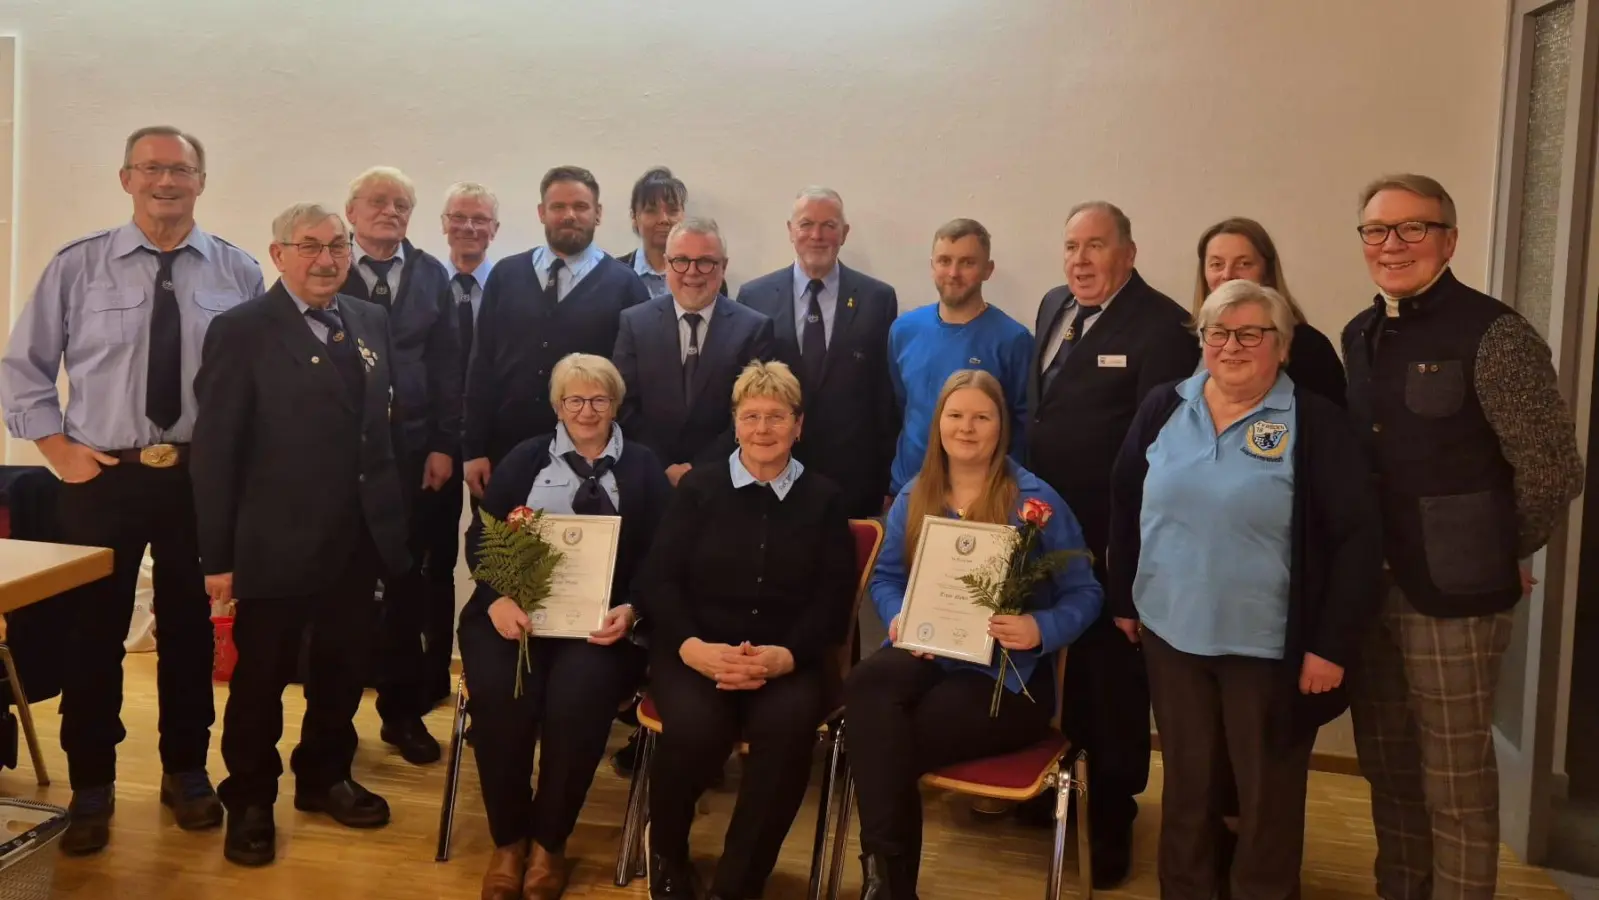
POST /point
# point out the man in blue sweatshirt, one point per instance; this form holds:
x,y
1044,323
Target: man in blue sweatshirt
x,y
960,331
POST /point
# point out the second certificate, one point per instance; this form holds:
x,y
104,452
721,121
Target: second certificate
x,y
938,615
580,591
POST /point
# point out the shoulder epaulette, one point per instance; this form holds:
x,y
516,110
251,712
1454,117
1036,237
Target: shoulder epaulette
x,y
104,232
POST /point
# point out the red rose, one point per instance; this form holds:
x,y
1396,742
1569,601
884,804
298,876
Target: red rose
x,y
522,515
1036,512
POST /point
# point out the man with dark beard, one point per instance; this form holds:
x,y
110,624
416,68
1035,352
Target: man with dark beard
x,y
537,307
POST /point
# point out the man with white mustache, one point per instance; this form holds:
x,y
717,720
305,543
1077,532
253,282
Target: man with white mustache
x,y
125,311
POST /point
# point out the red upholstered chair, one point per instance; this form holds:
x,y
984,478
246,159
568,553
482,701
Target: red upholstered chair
x,y
1017,776
631,858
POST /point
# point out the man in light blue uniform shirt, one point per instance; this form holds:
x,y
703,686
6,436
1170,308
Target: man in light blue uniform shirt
x,y
126,311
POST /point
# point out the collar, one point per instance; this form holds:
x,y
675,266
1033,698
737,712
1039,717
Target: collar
x,y
706,312
780,485
1280,397
362,254
1419,302
544,254
481,273
563,442
127,238
303,306
641,264
803,281
1112,298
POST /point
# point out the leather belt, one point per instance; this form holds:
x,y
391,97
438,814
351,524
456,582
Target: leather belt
x,y
155,456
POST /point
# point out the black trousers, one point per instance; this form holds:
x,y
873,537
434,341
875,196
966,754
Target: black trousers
x,y
700,726
905,717
1231,707
129,507
567,704
419,606
267,633
1106,713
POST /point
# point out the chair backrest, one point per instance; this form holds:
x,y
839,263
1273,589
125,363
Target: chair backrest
x,y
868,535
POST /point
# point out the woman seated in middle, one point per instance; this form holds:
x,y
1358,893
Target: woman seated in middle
x,y
750,588
574,688
909,713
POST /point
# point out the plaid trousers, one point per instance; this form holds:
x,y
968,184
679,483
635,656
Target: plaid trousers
x,y
1422,700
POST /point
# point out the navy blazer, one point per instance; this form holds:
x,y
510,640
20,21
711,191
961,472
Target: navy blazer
x,y
649,355
427,354
642,495
519,338
851,418
289,468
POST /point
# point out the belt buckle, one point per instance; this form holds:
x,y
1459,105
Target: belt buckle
x,y
159,456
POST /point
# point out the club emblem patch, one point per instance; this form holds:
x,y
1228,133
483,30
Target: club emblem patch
x,y
1267,440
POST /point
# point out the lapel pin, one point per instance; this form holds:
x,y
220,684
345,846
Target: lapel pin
x,y
315,360
850,303
338,336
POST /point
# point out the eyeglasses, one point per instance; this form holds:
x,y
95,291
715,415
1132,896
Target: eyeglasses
x,y
1248,336
1376,233
601,405
313,249
460,221
704,265
156,170
770,420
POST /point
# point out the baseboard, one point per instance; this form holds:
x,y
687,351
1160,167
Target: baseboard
x,y
1332,763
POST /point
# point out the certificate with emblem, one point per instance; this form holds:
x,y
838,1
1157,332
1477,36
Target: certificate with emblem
x,y
938,615
580,589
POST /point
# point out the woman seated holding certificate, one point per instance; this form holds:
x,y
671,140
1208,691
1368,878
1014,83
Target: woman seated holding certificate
x,y
748,591
910,712
1245,541
570,689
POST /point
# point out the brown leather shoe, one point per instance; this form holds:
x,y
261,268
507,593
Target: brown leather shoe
x,y
503,881
546,875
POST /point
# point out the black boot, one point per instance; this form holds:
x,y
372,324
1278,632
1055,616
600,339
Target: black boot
x,y
887,878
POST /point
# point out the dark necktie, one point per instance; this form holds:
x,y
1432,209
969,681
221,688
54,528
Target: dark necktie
x,y
691,362
463,311
163,392
813,341
341,347
380,268
591,498
1074,333
552,287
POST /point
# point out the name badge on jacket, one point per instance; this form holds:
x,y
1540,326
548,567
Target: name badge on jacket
x,y
1118,361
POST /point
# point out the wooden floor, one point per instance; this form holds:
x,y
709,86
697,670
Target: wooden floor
x,y
150,857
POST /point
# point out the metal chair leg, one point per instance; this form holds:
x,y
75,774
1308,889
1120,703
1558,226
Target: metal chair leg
x,y
1061,781
1078,782
26,715
452,774
846,802
630,853
824,809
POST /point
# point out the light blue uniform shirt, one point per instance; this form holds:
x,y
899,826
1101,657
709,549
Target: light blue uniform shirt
x,y
779,485
555,487
575,269
827,300
1213,574
481,273
91,311
654,282
370,276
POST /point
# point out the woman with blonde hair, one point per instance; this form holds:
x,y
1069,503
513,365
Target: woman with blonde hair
x,y
910,713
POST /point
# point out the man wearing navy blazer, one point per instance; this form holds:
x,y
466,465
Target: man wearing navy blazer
x,y
300,510
413,287
681,352
537,307
831,327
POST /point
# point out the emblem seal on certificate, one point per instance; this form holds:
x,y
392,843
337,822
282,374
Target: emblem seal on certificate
x,y
938,615
580,590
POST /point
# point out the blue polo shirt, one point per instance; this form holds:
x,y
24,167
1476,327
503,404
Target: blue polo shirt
x,y
1213,574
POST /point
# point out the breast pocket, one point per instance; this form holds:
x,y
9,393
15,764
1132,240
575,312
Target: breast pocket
x,y
207,306
114,315
1435,390
552,490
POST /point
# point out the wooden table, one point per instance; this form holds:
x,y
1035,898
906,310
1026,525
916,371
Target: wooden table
x,y
30,571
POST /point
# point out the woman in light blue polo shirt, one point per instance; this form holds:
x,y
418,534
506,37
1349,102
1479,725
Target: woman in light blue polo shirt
x,y
1245,557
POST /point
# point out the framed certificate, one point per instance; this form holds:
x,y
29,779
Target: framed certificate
x,y
580,591
938,615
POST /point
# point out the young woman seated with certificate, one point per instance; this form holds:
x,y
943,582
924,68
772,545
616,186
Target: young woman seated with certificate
x,y
574,687
909,713
747,592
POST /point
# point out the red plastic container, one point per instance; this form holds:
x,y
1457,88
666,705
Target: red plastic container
x,y
224,654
